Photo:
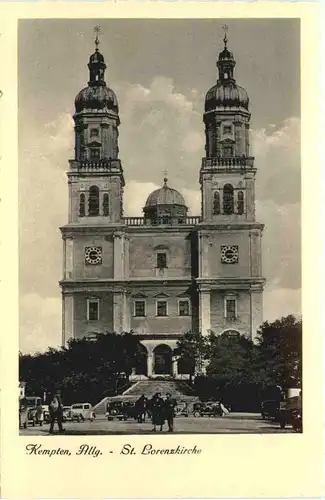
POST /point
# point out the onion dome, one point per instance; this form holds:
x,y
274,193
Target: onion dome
x,y
97,96
226,93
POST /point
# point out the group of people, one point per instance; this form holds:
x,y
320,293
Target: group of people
x,y
161,410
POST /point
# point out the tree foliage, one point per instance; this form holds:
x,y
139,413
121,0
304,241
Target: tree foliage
x,y
85,370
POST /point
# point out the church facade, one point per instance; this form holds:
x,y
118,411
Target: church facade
x,y
165,273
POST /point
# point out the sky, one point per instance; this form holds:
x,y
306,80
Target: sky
x,y
160,71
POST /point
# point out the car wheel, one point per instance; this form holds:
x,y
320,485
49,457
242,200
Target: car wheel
x,y
282,424
25,426
196,414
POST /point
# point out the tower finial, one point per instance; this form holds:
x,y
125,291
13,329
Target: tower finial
x,y
97,31
225,28
165,178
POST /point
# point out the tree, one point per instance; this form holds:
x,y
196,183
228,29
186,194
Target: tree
x,y
280,352
192,350
86,370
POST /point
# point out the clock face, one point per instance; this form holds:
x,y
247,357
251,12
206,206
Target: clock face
x,y
229,254
93,255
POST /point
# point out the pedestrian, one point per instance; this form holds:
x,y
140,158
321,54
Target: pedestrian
x,y
140,409
157,411
39,413
56,412
169,409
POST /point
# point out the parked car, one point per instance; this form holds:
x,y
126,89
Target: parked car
x,y
210,408
182,409
82,410
270,409
30,411
121,410
290,413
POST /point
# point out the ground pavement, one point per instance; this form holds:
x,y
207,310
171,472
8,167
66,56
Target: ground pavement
x,y
235,423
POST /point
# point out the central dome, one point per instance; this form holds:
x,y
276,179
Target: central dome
x,y
165,196
165,206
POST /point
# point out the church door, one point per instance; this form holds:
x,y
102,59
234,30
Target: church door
x,y
163,360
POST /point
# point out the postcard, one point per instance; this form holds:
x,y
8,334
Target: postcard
x,y
160,207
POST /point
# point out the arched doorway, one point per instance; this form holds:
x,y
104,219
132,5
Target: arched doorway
x,y
163,360
141,366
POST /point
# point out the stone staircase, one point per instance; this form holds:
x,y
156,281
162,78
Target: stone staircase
x,y
179,390
148,388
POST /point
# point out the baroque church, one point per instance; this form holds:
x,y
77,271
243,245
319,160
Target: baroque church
x,y
164,273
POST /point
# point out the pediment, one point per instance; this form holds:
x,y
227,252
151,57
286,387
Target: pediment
x,y
139,295
161,247
183,295
94,144
161,295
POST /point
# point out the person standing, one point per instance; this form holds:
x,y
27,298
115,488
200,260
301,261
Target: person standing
x,y
56,412
157,411
169,407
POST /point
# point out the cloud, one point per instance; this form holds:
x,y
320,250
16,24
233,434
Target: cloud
x,y
164,131
277,156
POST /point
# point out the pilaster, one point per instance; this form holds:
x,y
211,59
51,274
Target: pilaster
x,y
67,318
204,312
256,307
118,255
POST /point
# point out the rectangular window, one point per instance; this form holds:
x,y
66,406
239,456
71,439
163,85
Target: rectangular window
x,y
227,129
183,308
228,151
94,132
161,308
139,308
231,309
161,260
94,153
93,310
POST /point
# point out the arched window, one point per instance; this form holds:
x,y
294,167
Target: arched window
x,y
105,205
228,199
93,206
82,205
240,203
216,203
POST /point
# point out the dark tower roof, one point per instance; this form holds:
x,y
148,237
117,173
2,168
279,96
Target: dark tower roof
x,y
226,93
97,96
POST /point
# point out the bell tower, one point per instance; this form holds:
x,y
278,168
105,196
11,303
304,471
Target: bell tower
x,y
96,176
227,174
230,282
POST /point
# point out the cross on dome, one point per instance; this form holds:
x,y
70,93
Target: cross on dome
x,y
165,178
97,31
225,28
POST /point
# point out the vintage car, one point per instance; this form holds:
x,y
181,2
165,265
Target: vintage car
x,y
69,416
270,409
31,411
182,409
290,413
82,412
120,410
209,408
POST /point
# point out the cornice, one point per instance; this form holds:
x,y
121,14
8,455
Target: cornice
x,y
69,230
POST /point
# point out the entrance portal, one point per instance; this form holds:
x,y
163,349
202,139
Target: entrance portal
x,y
163,360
